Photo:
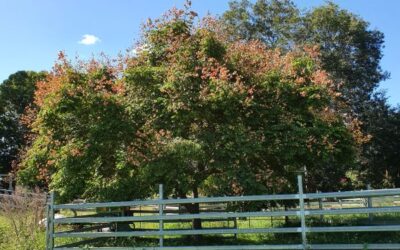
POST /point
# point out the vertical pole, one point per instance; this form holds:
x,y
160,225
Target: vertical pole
x,y
47,223
249,222
140,209
302,212
272,221
50,223
235,226
370,217
10,182
161,212
320,206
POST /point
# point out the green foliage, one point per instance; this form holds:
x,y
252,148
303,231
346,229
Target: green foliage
x,y
16,93
216,134
83,134
380,162
211,47
275,22
194,111
349,50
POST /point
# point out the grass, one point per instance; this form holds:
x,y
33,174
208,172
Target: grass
x,y
345,238
4,227
263,222
7,243
8,239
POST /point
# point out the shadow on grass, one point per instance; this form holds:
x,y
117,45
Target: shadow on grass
x,y
289,238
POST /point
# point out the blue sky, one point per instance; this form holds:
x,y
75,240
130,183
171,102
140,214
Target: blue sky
x,y
33,31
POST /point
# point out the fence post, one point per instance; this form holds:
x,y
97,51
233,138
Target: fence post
x,y
370,216
50,223
302,212
10,182
321,207
235,225
161,212
47,223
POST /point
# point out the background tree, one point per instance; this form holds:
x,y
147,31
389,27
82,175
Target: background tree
x,y
380,162
275,22
16,93
350,51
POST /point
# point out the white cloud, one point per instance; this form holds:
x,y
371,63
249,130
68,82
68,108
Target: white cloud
x,y
89,39
139,49
133,52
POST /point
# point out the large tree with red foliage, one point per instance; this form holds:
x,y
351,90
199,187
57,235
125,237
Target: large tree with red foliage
x,y
194,110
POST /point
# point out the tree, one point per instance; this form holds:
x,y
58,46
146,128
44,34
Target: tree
x,y
83,135
232,117
193,110
380,163
350,51
275,22
16,93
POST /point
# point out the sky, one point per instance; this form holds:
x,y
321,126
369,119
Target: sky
x,y
32,32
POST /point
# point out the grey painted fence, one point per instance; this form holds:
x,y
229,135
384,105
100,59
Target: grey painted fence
x,y
302,213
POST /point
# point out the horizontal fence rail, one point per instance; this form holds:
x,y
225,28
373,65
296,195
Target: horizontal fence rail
x,y
181,201
161,216
347,194
260,247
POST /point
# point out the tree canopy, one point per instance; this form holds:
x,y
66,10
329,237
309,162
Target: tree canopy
x,y
193,110
16,93
350,52
83,134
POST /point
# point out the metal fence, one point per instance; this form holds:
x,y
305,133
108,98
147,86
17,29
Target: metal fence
x,y
301,212
6,184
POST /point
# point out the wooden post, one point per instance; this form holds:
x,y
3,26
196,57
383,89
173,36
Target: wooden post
x,y
161,212
302,212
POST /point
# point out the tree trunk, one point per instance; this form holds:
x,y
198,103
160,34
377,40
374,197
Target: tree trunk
x,y
194,208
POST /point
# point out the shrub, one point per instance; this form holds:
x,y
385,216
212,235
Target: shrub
x,y
21,214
